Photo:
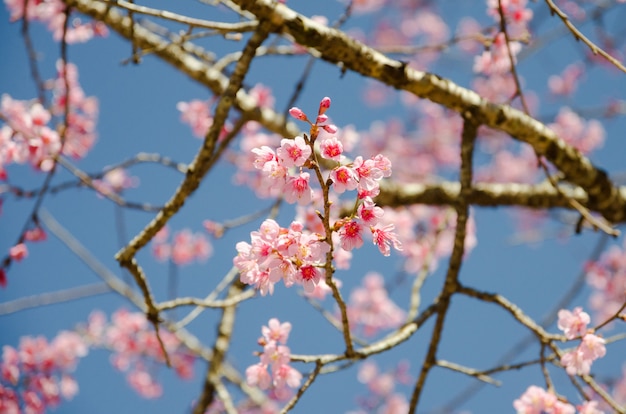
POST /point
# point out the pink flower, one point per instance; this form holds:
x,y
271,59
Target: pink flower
x,y
575,362
257,375
197,115
566,83
350,235
264,155
262,95
35,235
589,407
331,148
371,308
18,252
276,331
536,400
368,212
369,174
297,189
384,237
293,152
285,375
574,323
309,276
592,346
145,385
585,136
496,60
344,178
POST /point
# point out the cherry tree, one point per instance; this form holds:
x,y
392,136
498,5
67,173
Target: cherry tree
x,y
257,206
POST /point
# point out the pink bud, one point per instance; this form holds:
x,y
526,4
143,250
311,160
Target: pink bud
x,y
324,105
331,129
321,119
298,114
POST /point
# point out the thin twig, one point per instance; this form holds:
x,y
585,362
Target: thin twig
x,y
596,50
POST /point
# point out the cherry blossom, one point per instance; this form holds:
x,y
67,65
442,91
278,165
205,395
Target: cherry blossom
x,y
573,323
52,13
536,400
370,308
585,136
381,386
607,277
293,152
115,181
275,253
37,374
185,248
566,83
136,348
496,60
273,371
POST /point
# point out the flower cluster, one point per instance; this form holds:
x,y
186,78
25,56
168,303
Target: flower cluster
x,y
370,307
382,396
184,248
52,14
538,400
19,252
591,347
37,374
291,254
115,181
294,254
276,358
607,277
26,136
137,350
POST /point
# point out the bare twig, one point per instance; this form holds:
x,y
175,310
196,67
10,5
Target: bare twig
x,y
596,50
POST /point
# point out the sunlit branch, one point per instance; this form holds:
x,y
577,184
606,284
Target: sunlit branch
x,y
231,301
240,27
467,371
53,298
535,196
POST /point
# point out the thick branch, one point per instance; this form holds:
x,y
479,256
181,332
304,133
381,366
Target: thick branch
x,y
537,196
